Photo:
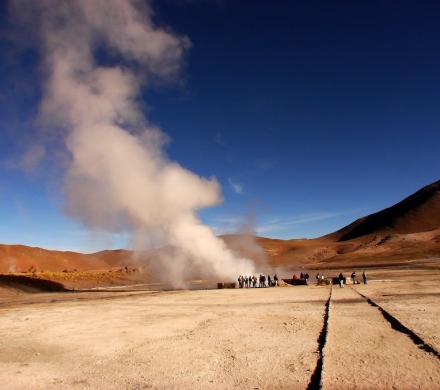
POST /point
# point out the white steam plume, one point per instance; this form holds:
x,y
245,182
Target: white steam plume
x,y
119,177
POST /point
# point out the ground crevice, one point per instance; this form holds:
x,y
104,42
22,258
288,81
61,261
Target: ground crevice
x,y
398,326
316,378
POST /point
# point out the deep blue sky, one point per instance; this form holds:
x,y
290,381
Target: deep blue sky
x,y
319,112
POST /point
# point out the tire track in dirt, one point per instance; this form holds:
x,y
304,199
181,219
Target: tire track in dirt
x,y
400,327
316,378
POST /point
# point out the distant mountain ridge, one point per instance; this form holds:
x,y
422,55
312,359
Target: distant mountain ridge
x,y
417,213
20,258
407,230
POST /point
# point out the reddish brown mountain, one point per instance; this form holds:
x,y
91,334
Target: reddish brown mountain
x,y
417,213
21,258
408,230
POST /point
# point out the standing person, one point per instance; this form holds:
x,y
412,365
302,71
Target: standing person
x,y
301,276
263,278
306,276
261,281
317,278
275,279
364,276
353,277
341,280
269,281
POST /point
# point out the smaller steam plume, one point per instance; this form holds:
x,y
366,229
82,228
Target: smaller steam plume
x,y
119,178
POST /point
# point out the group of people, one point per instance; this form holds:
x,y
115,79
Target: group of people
x,y
320,278
353,278
263,281
251,281
304,276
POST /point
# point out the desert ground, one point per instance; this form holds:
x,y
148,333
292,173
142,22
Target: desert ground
x,y
384,334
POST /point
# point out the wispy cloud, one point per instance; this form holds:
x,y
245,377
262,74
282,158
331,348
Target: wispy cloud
x,y
236,187
29,160
264,164
218,139
227,224
277,224
305,224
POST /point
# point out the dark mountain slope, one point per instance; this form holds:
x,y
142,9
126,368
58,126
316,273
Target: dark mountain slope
x,y
417,213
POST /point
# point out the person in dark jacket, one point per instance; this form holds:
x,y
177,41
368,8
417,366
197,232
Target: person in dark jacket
x,y
353,277
364,276
341,280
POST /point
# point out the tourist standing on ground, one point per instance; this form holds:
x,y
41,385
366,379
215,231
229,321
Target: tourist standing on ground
x,y
364,276
341,280
275,279
317,278
269,281
353,277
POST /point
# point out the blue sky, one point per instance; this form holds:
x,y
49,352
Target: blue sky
x,y
310,114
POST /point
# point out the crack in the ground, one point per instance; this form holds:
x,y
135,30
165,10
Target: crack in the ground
x,y
397,325
316,378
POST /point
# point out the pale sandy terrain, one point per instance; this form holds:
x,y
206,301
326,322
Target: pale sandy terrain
x,y
246,339
414,303
198,339
364,351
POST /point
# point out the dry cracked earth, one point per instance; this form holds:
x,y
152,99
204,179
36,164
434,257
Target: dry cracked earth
x,y
383,335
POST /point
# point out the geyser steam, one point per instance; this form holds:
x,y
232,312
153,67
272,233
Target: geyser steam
x,y
118,177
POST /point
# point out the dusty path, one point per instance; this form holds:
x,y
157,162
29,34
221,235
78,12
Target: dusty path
x,y
364,351
247,339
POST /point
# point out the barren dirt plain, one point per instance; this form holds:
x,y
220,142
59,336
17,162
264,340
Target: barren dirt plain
x,y
382,335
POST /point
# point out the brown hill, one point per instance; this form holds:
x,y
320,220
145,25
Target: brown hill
x,y
417,213
21,258
408,230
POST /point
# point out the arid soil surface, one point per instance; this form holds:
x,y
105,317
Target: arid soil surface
x,y
364,351
248,339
